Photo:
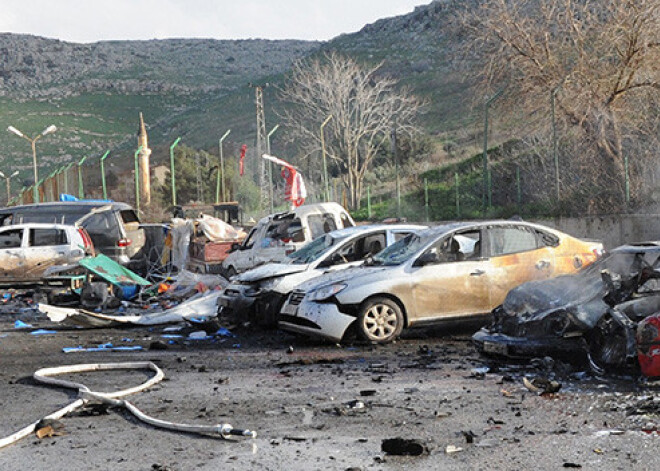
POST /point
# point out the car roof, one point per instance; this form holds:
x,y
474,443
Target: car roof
x,y
455,225
37,225
59,205
354,230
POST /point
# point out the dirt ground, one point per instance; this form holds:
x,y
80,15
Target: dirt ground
x,y
319,406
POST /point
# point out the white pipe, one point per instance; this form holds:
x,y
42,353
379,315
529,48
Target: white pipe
x,y
45,375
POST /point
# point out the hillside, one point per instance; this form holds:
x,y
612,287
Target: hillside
x,y
197,88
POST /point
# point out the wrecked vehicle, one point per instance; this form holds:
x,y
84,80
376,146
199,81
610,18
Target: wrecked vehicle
x,y
592,314
27,251
277,235
258,294
449,272
114,227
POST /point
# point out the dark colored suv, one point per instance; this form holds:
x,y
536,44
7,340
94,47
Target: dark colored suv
x,y
113,227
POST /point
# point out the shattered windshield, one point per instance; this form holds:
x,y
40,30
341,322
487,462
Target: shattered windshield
x,y
313,250
400,251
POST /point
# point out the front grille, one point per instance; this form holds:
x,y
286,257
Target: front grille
x,y
296,297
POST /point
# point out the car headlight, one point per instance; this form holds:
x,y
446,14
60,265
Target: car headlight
x,y
326,292
268,284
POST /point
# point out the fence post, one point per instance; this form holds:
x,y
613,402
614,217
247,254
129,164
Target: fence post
x,y
369,201
518,189
458,195
426,198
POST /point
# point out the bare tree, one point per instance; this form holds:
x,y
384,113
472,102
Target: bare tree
x,y
364,109
598,59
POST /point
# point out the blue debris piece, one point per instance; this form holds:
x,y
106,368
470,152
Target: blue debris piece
x,y
224,332
19,324
43,332
104,347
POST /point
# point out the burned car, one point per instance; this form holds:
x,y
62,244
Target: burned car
x,y
28,251
446,273
258,294
591,315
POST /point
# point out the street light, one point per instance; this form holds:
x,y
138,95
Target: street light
x,y
221,169
325,165
172,170
105,192
49,130
7,179
270,166
66,176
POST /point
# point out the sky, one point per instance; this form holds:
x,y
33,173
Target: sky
x,y
85,21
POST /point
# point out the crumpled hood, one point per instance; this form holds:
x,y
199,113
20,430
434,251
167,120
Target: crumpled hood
x,y
340,276
562,291
270,270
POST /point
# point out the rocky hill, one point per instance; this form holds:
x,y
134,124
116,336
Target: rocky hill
x,y
197,88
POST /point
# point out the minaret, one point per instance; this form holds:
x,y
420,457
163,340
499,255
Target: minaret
x,y
143,160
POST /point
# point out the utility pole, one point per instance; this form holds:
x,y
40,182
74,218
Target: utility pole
x,y
261,146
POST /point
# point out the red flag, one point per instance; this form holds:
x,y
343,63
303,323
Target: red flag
x,y
240,163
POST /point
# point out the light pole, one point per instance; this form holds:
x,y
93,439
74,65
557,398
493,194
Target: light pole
x,y
49,130
137,181
105,191
81,192
8,184
487,195
221,169
325,164
53,188
66,176
174,144
270,167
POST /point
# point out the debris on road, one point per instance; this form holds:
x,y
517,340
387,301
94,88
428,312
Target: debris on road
x,y
404,447
46,376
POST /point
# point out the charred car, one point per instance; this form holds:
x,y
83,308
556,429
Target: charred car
x,y
446,273
29,251
258,294
591,315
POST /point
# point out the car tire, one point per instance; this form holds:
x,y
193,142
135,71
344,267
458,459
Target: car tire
x,y
380,320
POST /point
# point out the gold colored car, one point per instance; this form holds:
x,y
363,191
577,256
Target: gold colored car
x,y
448,272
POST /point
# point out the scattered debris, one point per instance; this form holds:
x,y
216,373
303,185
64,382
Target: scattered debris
x,y
46,376
541,386
404,447
453,449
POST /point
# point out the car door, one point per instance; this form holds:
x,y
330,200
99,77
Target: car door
x,y
517,256
449,282
12,260
45,247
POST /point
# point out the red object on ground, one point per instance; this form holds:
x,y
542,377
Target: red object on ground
x,y
648,345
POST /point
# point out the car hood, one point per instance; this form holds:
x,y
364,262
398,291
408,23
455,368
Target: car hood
x,y
270,270
581,296
341,276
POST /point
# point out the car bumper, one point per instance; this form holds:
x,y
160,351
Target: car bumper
x,y
497,344
315,319
233,299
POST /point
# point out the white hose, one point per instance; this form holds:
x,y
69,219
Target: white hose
x,y
45,375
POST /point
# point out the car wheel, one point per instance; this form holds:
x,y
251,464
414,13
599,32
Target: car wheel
x,y
380,320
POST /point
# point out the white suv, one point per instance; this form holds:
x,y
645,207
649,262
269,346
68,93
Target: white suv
x,y
277,235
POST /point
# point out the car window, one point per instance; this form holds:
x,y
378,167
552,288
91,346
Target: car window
x,y
128,216
345,220
320,224
11,239
457,247
508,240
102,224
249,240
399,235
547,239
400,251
283,231
46,237
313,250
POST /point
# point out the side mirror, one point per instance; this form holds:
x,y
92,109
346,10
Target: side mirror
x,y
427,258
234,247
